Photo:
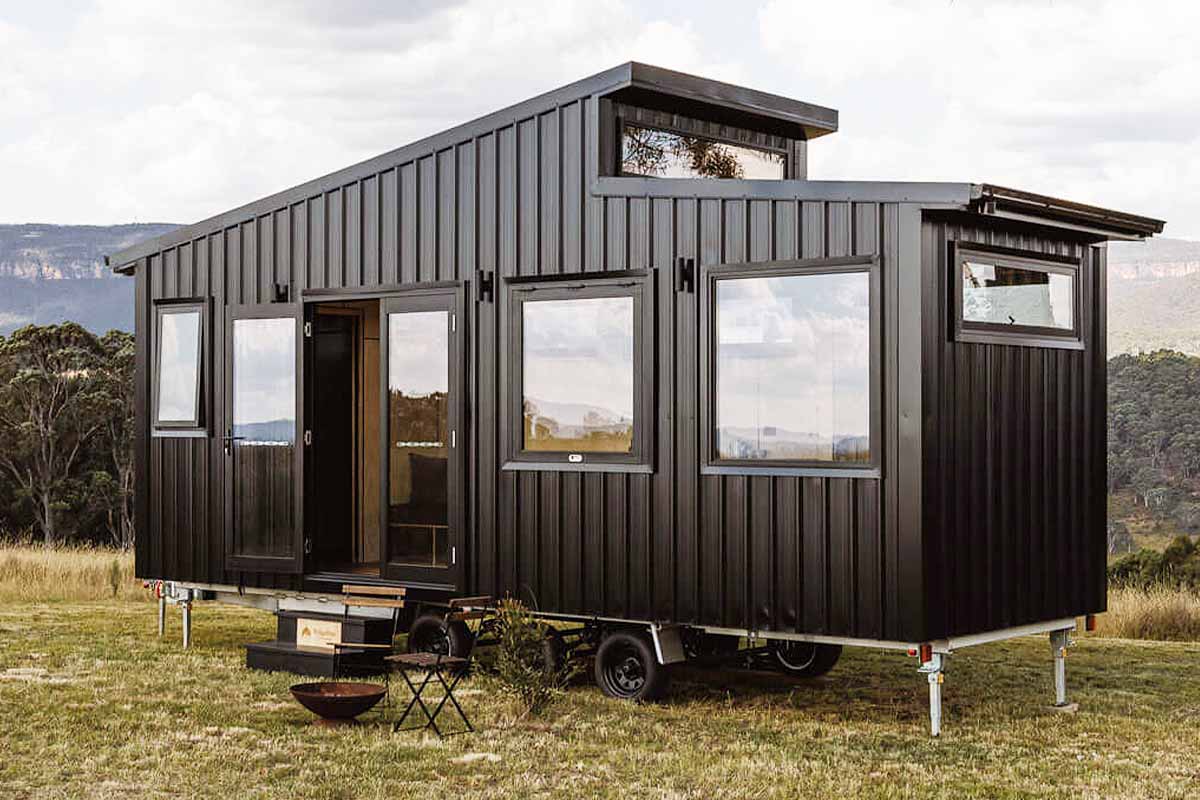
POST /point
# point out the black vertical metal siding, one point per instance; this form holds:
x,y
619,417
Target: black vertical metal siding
x,y
811,554
1014,459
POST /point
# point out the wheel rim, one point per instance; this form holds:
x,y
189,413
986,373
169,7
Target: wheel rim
x,y
796,655
624,672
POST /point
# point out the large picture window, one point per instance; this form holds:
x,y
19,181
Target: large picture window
x,y
793,365
1004,298
580,388
180,335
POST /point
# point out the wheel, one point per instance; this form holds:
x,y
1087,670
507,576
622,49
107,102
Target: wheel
x,y
805,659
426,636
627,669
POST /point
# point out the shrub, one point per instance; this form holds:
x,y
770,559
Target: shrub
x,y
522,658
1178,565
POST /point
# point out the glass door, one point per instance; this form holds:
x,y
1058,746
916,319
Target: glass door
x,y
264,526
421,504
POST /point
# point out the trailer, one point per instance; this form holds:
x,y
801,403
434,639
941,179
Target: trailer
x,y
610,352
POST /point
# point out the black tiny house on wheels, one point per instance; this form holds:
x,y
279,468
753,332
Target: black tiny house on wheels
x,y
609,351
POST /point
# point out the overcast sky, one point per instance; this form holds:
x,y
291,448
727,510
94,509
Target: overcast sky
x,y
122,110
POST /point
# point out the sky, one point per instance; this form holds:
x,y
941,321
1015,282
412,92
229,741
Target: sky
x,y
153,111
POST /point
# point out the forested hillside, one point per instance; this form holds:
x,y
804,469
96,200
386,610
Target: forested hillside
x,y
1154,437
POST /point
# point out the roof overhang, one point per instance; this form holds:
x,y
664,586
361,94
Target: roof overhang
x,y
724,102
1000,201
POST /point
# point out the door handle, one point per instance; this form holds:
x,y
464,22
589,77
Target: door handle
x,y
229,439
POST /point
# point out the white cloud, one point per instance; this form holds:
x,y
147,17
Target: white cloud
x,y
119,110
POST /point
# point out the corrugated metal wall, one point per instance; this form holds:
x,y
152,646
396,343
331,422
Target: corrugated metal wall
x,y
822,555
1014,463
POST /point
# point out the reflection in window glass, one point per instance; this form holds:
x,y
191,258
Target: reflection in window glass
x,y
419,434
264,381
264,424
663,154
1005,295
578,375
793,368
178,365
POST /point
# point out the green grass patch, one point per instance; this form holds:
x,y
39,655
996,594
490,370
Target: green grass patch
x,y
94,705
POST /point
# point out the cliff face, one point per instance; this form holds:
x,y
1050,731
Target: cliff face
x,y
1154,296
53,273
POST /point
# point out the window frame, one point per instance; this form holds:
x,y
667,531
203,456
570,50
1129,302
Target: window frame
x,y
973,332
638,284
198,425
710,462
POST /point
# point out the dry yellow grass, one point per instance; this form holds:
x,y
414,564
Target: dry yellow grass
x,y
67,573
1161,613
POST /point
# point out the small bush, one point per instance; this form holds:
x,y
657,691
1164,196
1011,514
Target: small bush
x,y
1161,613
1178,565
521,658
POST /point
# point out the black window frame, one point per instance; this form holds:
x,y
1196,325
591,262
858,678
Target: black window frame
x,y
711,463
973,332
638,284
198,426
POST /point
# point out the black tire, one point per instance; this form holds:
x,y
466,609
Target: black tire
x,y
805,659
426,636
627,669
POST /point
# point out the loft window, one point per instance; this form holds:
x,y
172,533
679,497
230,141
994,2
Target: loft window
x,y
579,387
180,334
1002,297
793,366
656,152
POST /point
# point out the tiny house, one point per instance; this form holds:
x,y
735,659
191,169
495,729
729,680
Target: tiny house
x,y
609,351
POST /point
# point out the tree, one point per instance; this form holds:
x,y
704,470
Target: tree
x,y
111,480
47,415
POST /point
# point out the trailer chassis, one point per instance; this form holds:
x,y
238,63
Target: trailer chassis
x,y
667,638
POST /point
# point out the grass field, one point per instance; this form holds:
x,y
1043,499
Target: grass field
x,y
93,705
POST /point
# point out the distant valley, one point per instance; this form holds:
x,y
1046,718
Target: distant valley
x,y
53,273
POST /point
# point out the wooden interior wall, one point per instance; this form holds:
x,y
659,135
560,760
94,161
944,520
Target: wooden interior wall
x,y
815,554
1014,465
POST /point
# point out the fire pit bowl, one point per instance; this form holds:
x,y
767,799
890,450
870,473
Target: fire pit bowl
x,y
337,703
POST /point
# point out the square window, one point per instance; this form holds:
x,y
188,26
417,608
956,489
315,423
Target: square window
x,y
180,335
793,366
1004,298
581,390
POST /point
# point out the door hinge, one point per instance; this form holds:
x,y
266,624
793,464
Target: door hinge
x,y
307,546
308,330
308,438
453,323
453,439
453,555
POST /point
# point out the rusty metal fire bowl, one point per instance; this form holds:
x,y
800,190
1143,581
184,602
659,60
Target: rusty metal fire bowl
x,y
337,703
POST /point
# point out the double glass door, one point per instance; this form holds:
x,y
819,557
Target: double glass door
x,y
420,442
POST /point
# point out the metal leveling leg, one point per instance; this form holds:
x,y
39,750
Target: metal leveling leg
x,y
934,670
186,607
1059,642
